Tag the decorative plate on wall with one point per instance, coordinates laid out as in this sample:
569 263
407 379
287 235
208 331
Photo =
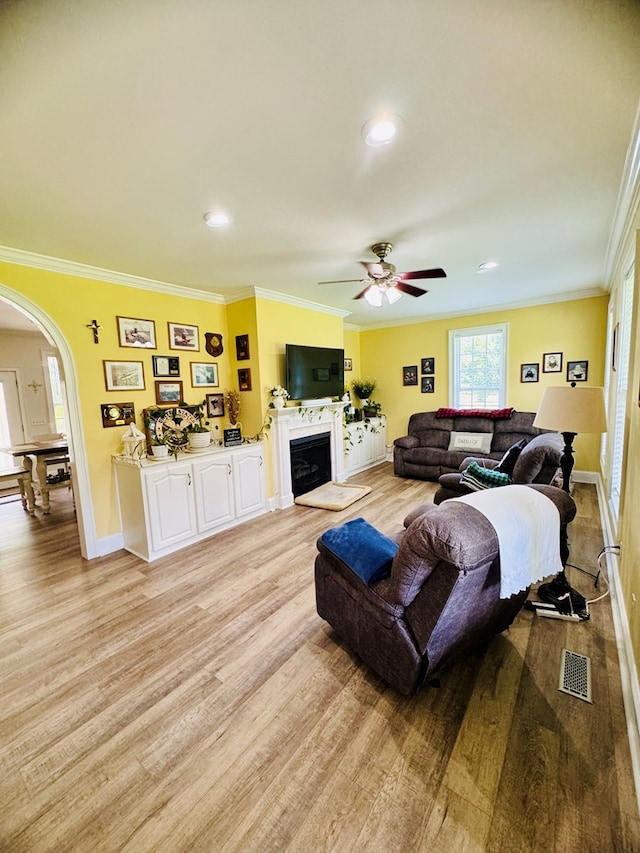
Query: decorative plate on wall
169 425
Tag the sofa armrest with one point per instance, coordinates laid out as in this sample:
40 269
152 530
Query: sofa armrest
483 461
407 442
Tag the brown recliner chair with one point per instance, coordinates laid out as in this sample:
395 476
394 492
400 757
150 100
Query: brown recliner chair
412 608
537 462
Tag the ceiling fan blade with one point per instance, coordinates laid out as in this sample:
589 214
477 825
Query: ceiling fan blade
434 273
410 289
342 281
375 270
362 292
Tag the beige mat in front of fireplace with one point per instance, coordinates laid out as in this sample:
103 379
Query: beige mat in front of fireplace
334 496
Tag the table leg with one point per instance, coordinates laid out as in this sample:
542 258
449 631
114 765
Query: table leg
41 469
28 486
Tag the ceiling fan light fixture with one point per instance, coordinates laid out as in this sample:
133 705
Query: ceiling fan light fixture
381 130
393 294
217 219
374 296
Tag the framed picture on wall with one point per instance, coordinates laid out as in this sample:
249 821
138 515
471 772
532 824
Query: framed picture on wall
123 375
577 371
529 372
428 384
242 347
136 333
552 362
204 373
244 378
348 364
428 365
168 393
410 375
182 336
165 365
215 405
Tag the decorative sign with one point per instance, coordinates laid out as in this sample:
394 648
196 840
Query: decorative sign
117 414
232 436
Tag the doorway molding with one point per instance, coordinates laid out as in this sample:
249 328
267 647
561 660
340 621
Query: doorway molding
77 446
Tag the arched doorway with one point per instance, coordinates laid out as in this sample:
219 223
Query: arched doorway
82 493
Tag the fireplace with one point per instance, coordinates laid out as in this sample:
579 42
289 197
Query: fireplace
310 462
294 422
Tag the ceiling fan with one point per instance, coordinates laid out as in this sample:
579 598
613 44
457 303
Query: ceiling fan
383 282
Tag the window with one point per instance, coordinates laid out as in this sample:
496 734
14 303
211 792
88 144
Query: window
56 392
617 421
478 359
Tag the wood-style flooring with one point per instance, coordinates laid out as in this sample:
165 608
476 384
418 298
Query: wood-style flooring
199 703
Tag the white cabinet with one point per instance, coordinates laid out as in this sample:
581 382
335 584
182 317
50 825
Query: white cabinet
365 444
248 483
168 505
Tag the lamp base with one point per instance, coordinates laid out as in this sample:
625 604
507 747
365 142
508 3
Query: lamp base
563 597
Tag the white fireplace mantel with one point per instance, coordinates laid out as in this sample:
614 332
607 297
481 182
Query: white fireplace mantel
299 422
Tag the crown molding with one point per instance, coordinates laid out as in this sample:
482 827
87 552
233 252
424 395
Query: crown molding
489 309
59 265
626 206
286 299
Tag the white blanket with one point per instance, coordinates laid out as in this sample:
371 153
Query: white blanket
528 527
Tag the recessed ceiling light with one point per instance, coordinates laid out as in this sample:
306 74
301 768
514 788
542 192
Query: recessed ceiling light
381 130
487 266
217 219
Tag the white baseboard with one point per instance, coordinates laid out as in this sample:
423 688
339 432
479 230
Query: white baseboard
109 544
628 670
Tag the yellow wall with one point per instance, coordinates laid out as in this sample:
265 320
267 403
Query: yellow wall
280 324
576 328
352 351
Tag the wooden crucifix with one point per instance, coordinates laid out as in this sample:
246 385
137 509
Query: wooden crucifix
94 325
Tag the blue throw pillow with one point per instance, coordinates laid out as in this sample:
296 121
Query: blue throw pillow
366 551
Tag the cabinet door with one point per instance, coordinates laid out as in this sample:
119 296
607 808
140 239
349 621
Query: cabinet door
248 482
171 508
213 485
353 453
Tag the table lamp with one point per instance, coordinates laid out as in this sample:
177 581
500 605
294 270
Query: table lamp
569 410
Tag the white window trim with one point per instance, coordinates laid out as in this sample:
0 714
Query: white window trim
502 328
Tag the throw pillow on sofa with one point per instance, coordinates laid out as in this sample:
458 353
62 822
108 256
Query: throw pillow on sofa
475 477
477 442
508 461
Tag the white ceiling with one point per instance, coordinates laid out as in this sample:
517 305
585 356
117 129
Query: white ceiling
123 122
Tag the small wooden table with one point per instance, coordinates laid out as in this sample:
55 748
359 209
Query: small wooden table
34 459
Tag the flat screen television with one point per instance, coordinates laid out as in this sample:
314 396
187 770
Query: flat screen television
313 372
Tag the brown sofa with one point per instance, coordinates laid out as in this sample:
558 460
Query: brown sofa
423 453
411 609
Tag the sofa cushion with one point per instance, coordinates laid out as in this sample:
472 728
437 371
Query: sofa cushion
476 477
478 442
508 461
366 551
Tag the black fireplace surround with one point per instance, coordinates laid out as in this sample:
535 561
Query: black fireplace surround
310 462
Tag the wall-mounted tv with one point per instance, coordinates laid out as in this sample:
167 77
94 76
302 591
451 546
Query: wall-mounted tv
313 372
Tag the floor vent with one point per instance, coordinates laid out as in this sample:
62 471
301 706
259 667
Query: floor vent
575 675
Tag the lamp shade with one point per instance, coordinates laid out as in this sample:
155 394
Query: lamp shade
566 408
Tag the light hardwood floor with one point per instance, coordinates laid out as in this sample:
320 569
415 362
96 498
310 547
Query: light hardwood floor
200 704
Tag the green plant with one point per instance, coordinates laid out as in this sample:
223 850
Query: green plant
364 387
372 406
